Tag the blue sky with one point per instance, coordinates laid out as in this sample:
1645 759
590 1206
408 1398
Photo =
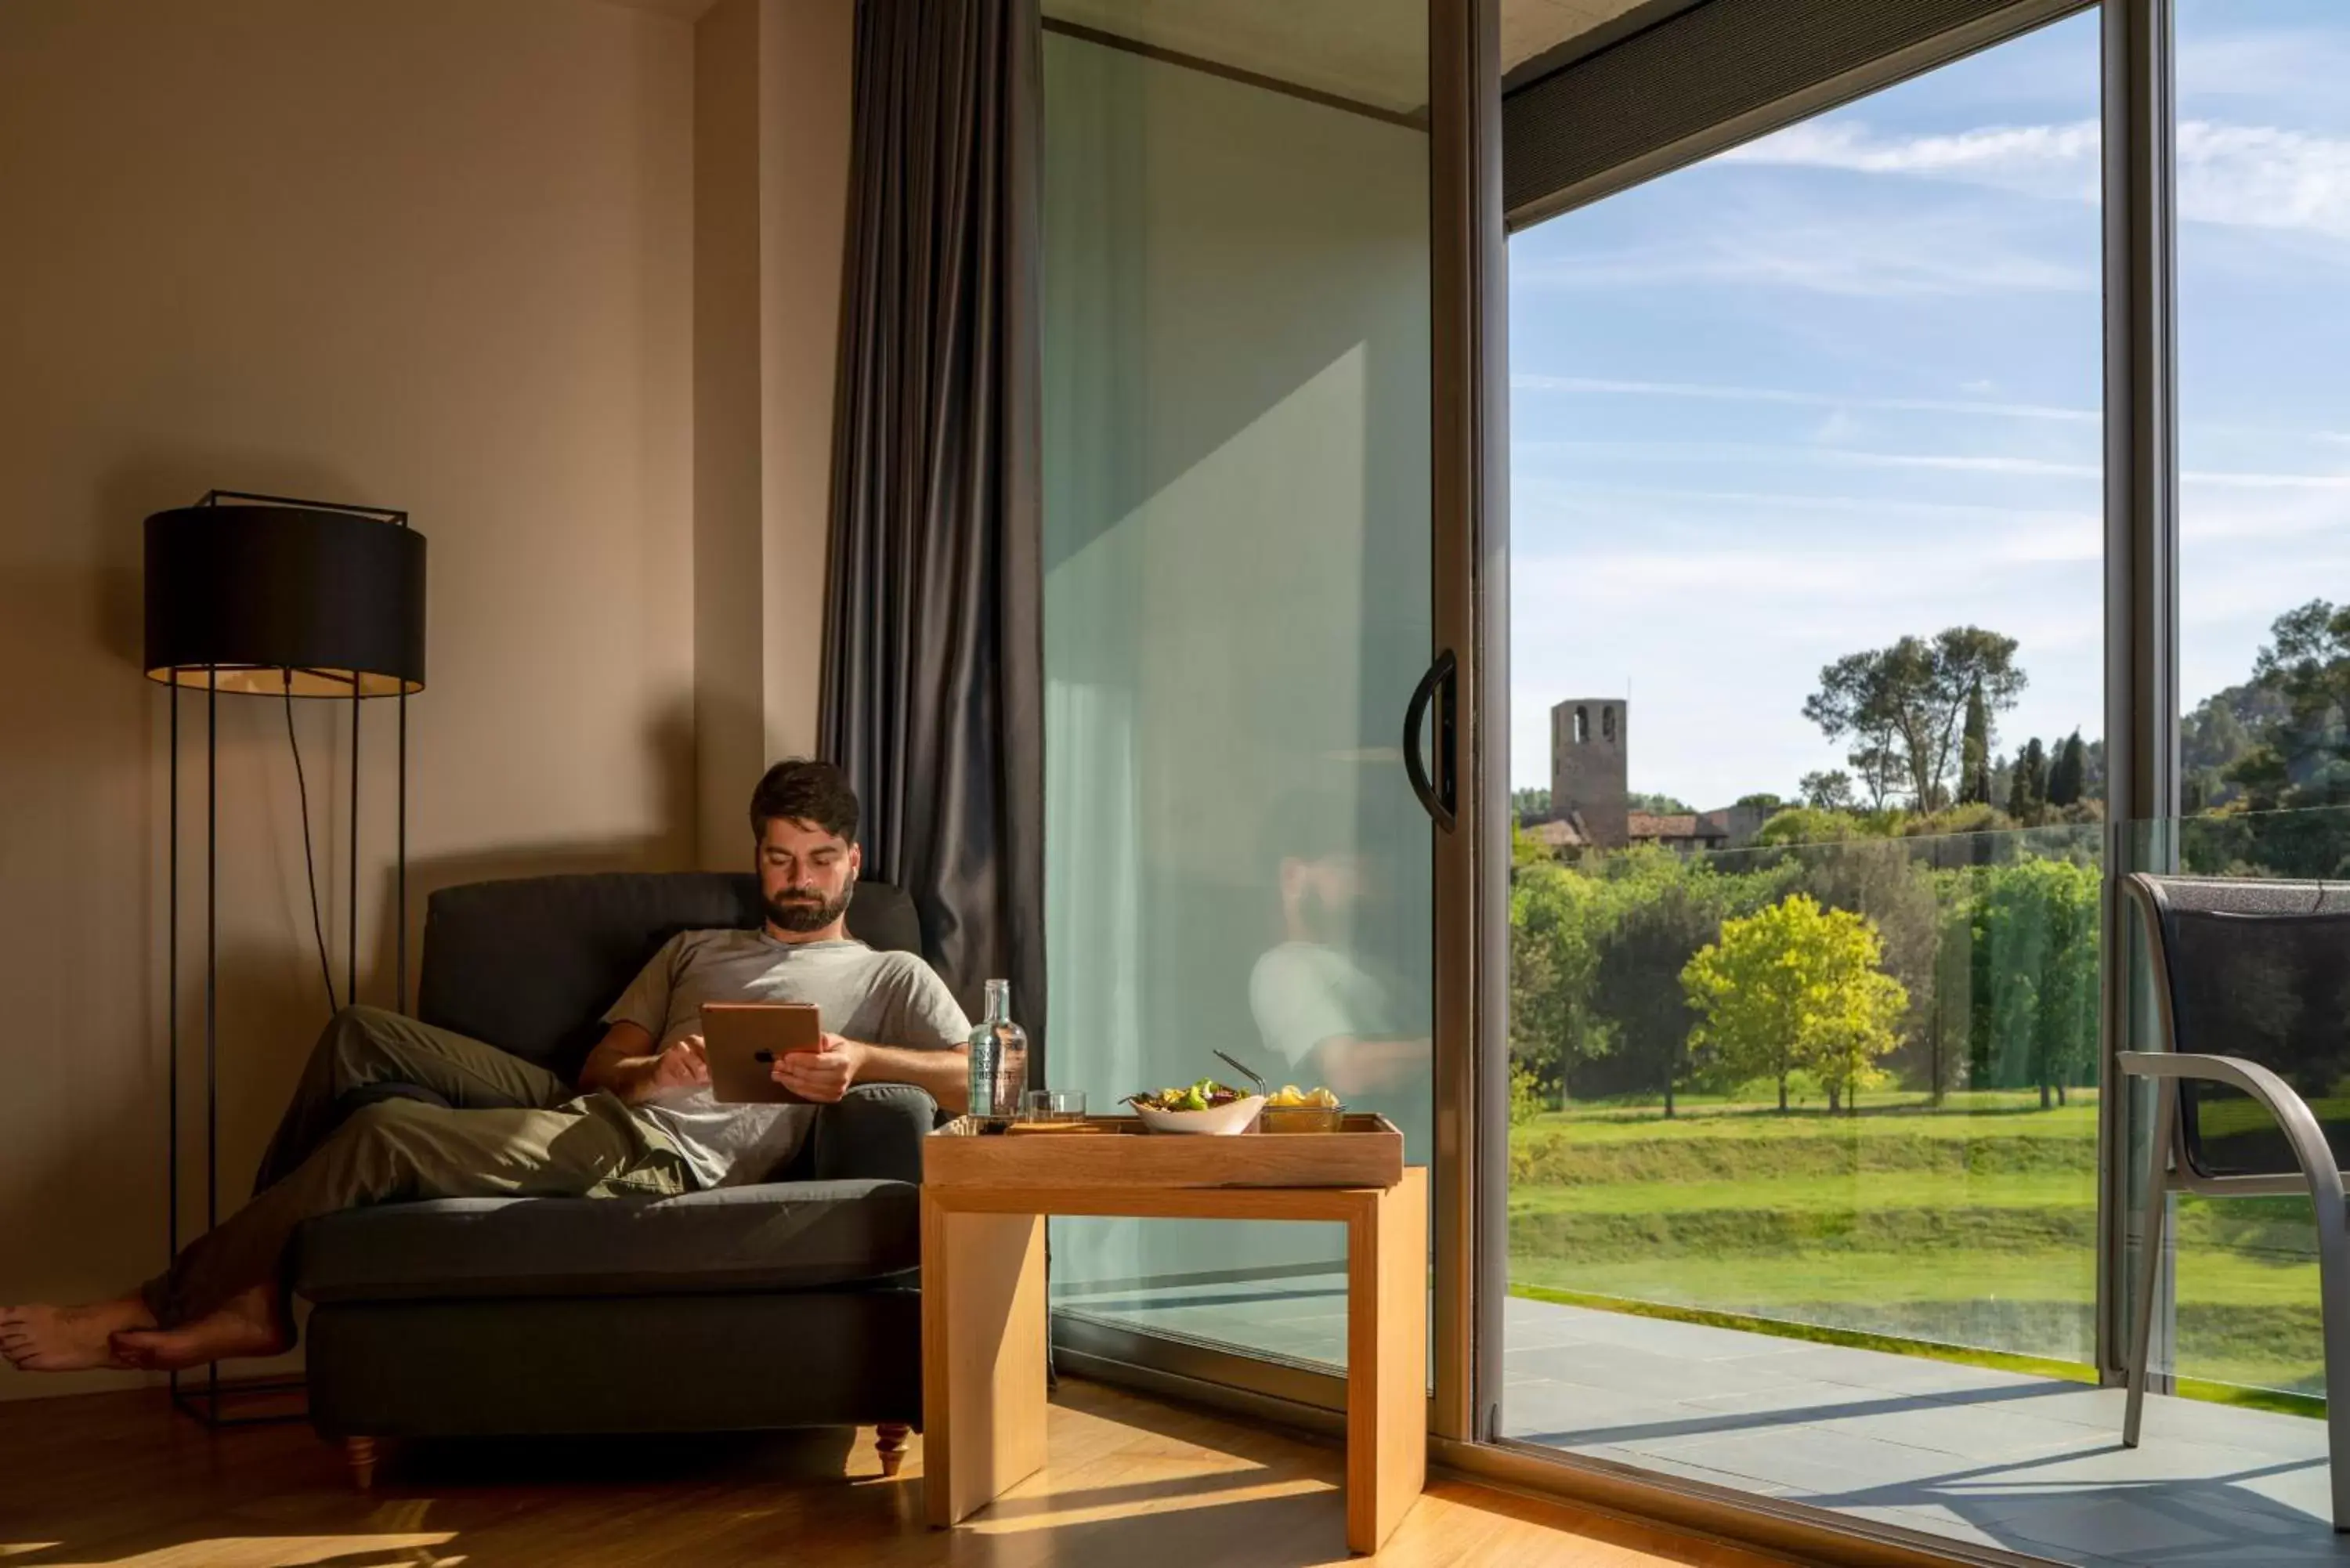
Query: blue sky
1843 383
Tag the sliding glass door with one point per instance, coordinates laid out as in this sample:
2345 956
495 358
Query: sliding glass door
1237 611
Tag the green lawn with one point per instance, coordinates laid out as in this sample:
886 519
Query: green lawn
1900 1189
1969 1226
1959 1116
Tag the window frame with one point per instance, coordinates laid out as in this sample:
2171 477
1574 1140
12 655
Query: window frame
2139 309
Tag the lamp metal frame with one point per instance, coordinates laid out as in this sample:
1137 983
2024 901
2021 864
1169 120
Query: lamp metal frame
204 1403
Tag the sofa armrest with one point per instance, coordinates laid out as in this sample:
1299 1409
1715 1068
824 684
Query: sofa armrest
874 1132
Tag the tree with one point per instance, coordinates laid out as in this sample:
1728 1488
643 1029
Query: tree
1881 770
2027 789
1830 791
1902 707
1529 804
1653 937
1762 801
2219 732
1974 753
2302 757
1659 804
1808 825
2036 926
2068 772
1555 916
1795 986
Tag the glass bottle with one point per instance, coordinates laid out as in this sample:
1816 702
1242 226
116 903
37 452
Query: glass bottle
999 1057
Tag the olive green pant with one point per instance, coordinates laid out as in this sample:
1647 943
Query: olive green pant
511 1129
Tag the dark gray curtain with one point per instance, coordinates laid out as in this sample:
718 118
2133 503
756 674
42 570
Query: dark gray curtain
934 682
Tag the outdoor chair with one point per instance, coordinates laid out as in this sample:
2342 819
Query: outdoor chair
2259 970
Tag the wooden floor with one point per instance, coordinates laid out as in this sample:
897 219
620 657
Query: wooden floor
118 1479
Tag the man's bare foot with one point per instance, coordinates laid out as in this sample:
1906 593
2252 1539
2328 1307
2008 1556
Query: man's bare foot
248 1324
69 1339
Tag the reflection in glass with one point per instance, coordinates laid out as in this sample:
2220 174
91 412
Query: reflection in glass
1236 609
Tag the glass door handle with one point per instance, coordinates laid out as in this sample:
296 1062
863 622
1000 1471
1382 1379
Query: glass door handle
1437 686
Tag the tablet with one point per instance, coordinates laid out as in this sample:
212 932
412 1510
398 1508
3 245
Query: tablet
744 1039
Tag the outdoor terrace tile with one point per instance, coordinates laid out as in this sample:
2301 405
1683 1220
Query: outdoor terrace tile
1817 1459
2030 1465
2109 1465
2146 1527
1660 1374
1663 1465
1985 1432
1930 1519
1553 1412
2302 1490
1903 1373
2187 1420
1531 1336
1685 1341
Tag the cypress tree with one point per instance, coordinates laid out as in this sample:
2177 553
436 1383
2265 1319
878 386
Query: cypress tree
2064 777
1974 751
2029 789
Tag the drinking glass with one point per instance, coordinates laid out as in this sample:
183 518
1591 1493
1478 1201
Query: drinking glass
1055 1105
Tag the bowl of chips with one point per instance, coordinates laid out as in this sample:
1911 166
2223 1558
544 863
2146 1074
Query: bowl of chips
1295 1110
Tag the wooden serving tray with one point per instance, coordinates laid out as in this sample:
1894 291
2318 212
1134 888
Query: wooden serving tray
1118 1151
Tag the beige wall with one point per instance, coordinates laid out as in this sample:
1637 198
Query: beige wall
771 197
429 254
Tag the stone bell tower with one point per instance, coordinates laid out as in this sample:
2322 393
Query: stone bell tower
1587 767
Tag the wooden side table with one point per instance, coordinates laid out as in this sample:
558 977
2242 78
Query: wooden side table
984 1201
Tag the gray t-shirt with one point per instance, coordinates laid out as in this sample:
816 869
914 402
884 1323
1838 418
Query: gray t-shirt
878 998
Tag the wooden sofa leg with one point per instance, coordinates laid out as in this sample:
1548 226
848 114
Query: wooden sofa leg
360 1453
890 1441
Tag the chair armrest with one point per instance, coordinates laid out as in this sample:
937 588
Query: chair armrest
2293 1117
875 1131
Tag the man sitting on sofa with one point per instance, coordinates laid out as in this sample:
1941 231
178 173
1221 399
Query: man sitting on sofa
640 1120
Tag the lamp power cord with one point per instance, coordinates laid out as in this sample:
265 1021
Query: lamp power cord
309 864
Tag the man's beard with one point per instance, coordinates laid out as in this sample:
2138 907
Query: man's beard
806 909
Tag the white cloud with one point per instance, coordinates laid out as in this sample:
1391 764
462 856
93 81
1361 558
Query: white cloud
2260 176
2053 160
1743 451
2005 463
1847 253
2266 481
1600 504
1838 428
1535 383
2269 65
2251 176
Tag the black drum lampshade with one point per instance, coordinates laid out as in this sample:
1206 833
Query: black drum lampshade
277 598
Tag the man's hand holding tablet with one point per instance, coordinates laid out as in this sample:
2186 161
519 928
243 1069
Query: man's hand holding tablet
821 1076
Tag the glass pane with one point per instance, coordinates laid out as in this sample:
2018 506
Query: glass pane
1236 607
2239 1320
2265 565
1806 689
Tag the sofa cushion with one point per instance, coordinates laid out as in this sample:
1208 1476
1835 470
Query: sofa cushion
530 963
783 1236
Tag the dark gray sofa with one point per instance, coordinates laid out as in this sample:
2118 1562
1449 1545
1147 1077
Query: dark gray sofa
792 1303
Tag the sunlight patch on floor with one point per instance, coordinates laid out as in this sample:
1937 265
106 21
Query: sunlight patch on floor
292 1550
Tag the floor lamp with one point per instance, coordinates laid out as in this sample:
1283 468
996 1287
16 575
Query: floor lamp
271 597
